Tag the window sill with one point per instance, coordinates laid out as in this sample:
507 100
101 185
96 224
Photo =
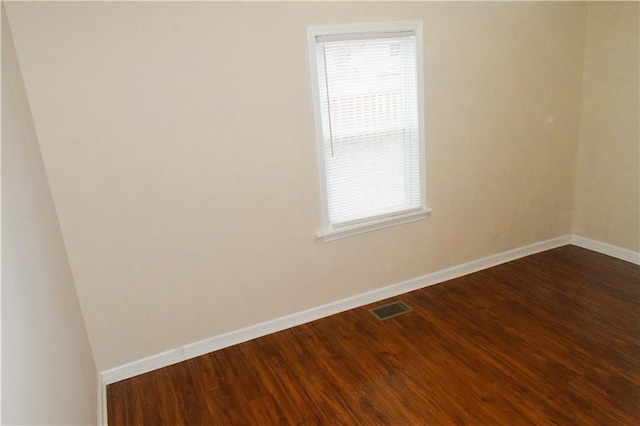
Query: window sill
360 228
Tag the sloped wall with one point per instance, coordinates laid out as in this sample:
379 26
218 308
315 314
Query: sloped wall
48 373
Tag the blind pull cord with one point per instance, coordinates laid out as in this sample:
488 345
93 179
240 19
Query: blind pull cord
326 88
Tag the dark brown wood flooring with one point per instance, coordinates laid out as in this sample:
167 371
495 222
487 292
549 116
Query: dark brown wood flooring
552 338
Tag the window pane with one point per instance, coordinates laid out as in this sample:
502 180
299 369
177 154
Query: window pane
372 176
370 126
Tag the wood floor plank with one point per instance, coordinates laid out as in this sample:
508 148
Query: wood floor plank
552 338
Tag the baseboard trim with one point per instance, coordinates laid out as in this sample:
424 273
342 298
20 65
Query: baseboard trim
608 249
102 402
214 343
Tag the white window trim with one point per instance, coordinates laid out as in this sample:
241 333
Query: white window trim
328 232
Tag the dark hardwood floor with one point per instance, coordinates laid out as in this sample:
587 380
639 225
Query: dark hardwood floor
553 338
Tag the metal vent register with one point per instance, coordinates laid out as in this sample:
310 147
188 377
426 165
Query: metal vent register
390 310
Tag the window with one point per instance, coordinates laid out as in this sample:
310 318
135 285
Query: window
367 87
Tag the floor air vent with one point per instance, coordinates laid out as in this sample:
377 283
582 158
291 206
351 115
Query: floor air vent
390 310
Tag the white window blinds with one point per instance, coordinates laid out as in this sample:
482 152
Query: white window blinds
367 89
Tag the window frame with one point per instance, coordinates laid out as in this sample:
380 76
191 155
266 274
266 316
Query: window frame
328 231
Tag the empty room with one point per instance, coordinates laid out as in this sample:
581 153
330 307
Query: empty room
349 213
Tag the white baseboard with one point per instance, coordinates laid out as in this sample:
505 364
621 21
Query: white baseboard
102 402
214 343
608 249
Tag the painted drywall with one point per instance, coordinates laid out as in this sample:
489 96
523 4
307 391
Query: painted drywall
607 194
179 142
48 373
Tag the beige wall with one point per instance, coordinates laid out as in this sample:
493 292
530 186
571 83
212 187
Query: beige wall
607 194
178 139
48 373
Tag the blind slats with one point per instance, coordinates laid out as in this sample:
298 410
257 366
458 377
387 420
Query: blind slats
369 109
